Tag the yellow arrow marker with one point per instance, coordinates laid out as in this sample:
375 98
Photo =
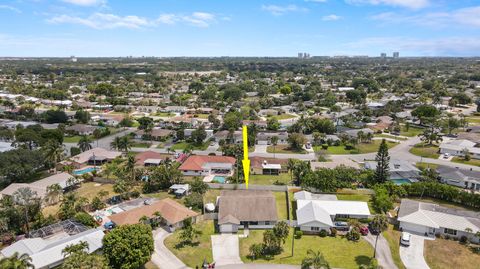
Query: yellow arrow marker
246 161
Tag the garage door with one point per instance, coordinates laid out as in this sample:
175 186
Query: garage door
413 228
228 228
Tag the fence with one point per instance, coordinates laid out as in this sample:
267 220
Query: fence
250 187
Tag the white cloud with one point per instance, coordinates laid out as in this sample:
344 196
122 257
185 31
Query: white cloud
281 10
413 4
465 16
451 46
102 21
14 9
331 17
86 3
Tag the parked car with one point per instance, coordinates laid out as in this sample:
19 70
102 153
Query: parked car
372 229
341 225
364 230
405 239
446 155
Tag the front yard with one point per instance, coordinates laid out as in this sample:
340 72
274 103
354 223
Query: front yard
359 149
282 116
284 149
446 254
425 151
193 256
184 145
462 160
357 197
338 251
412 131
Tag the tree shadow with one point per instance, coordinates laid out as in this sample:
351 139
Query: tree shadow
186 244
362 259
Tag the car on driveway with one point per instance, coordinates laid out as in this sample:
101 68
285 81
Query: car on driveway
372 229
341 226
364 230
446 155
405 239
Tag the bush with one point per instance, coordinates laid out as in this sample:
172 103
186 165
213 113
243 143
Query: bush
325 146
463 239
194 200
333 232
349 146
74 151
97 204
298 234
353 234
135 194
85 219
323 233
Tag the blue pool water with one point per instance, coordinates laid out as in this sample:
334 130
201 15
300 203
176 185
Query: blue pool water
400 181
83 171
219 179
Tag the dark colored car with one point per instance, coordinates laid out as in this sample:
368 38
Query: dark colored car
372 229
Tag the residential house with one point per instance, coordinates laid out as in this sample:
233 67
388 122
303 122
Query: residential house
188 133
180 189
95 156
236 137
198 165
463 178
319 212
172 213
48 252
265 138
40 186
431 219
252 209
267 166
354 132
156 134
151 158
81 129
400 171
458 147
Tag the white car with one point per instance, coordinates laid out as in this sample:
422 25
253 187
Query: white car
405 239
446 155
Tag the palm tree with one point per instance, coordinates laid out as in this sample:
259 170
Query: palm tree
53 151
290 166
274 141
315 260
17 261
188 149
25 197
143 219
84 143
379 224
97 133
54 192
116 143
125 143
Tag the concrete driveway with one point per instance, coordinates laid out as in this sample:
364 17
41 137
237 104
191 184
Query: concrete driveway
162 257
383 253
225 249
412 256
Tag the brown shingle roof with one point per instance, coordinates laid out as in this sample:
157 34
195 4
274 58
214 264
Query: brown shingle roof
170 210
141 157
196 162
246 205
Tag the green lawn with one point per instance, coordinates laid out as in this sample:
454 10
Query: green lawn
412 131
284 149
424 165
390 136
193 256
393 238
201 116
360 148
74 139
164 114
211 196
462 160
425 151
141 145
270 180
475 120
281 200
183 145
339 252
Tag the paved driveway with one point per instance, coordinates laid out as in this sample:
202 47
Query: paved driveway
225 249
412 256
162 257
383 253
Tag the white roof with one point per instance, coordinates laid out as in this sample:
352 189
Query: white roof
339 207
313 212
98 152
46 252
5 146
271 166
153 161
460 145
439 219
305 195
39 186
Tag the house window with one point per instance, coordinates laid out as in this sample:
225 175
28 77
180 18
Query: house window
343 216
316 229
267 222
450 231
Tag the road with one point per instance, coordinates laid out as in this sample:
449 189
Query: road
103 142
383 253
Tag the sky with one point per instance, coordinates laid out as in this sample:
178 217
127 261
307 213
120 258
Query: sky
163 28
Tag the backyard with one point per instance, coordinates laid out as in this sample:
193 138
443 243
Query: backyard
284 149
359 149
357 197
338 251
425 151
283 178
281 199
194 255
445 254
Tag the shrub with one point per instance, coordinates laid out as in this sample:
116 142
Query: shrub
135 194
349 146
85 219
333 232
298 234
353 234
256 251
463 239
97 204
325 146
74 151
323 233
194 200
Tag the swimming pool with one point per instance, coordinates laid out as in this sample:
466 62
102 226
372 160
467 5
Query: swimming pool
219 179
84 171
401 181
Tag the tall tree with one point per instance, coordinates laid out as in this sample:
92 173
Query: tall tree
17 261
383 162
380 224
315 260
84 143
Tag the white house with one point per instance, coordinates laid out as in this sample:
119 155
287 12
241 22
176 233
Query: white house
462 178
457 148
318 212
432 219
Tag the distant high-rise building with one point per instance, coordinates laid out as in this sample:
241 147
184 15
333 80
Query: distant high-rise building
383 55
303 55
300 55
396 54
